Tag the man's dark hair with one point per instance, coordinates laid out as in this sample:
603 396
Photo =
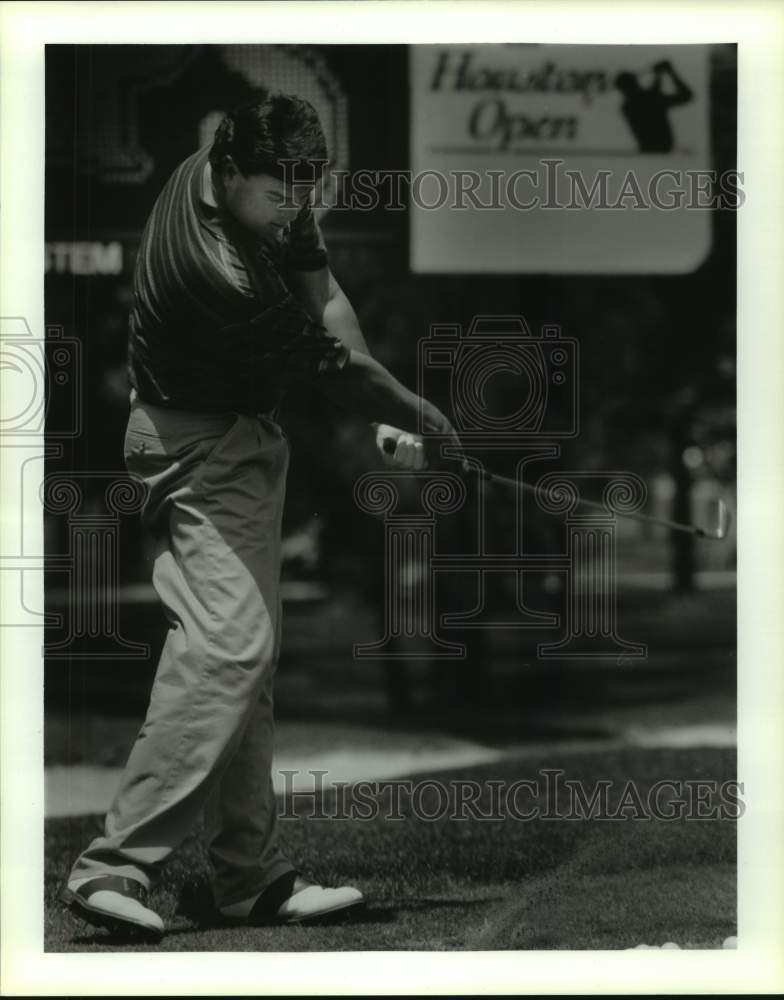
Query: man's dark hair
262 134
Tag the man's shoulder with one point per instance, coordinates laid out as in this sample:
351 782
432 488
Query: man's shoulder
197 159
186 178
189 191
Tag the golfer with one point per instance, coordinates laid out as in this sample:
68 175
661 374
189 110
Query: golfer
233 302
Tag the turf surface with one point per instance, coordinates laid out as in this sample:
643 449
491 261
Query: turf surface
473 883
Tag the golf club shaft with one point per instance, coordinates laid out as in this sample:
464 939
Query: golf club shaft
493 477
514 484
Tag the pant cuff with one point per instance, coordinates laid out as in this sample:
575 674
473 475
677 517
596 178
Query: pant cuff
251 889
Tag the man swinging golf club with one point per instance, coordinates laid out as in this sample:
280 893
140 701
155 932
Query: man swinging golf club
233 301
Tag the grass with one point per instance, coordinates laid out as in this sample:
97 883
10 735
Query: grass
469 884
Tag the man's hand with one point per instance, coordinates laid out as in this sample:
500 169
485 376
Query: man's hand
409 450
405 450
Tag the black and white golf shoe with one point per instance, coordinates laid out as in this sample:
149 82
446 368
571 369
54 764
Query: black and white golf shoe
117 904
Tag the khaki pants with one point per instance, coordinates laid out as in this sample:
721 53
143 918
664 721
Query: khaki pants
217 486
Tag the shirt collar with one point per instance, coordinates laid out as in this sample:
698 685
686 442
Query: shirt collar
207 194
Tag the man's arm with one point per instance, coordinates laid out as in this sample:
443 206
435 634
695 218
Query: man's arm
327 304
312 290
315 286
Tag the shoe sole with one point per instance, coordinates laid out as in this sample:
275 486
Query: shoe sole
130 929
307 918
354 904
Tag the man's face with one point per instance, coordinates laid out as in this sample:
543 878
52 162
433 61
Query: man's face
262 204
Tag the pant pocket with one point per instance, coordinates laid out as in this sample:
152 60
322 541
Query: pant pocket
171 434
172 463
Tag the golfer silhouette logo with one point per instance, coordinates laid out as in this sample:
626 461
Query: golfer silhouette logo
646 108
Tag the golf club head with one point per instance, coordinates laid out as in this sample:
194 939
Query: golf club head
721 521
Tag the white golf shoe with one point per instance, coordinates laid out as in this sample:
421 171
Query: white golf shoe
292 899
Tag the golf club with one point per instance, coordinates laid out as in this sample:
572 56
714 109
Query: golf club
716 531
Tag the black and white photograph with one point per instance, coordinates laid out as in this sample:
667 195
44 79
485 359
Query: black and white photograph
372 501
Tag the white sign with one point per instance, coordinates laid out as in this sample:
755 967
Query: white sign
561 159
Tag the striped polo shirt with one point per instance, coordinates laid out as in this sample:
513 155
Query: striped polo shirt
211 305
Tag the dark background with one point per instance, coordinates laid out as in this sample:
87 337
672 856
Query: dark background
657 378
